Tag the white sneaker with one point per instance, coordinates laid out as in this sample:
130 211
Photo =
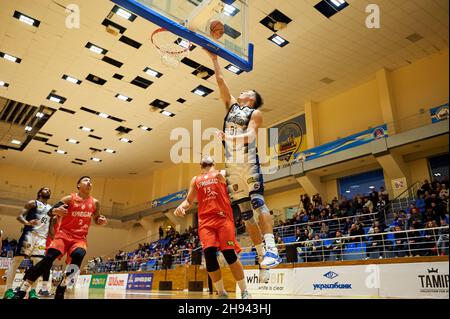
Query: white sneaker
246 295
270 260
223 296
264 275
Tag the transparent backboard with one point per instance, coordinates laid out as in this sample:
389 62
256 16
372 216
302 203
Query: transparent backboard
190 19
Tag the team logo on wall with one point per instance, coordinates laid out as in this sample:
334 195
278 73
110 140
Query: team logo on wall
442 113
433 281
290 139
378 133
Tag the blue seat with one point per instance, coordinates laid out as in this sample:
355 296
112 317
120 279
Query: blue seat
289 239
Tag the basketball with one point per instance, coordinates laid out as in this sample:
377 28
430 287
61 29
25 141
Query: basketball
217 29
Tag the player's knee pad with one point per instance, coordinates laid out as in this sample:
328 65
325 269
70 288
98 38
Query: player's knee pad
230 256
77 256
258 204
212 264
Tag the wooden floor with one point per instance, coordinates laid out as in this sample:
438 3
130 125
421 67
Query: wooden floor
127 294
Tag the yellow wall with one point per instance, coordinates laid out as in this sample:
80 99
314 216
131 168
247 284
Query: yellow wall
348 113
421 85
419 170
283 200
332 190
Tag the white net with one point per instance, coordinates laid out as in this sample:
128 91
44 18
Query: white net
172 48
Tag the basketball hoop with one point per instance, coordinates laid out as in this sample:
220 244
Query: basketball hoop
171 47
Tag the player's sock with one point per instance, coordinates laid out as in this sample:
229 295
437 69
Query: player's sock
270 243
260 251
242 284
220 287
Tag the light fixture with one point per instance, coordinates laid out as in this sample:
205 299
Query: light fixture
96 49
338 3
28 128
73 141
372 187
95 159
86 129
153 73
110 151
26 19
123 13
125 140
103 115
9 57
234 69
167 113
199 92
60 152
56 98
39 114
278 40
4 84
16 142
123 98
71 79
230 10
145 128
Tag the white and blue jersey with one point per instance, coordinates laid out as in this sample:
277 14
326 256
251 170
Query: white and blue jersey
33 239
243 172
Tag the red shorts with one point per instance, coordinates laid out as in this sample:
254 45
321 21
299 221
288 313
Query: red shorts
222 236
66 245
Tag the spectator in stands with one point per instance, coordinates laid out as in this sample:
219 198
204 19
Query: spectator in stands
308 248
317 249
356 230
443 193
306 201
384 194
324 229
373 195
280 245
375 244
368 205
430 239
317 200
442 243
381 205
400 247
338 245
414 242
161 232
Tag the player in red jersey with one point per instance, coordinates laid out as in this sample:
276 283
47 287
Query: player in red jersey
216 224
75 212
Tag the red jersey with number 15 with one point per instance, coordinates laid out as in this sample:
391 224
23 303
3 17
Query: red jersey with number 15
213 201
79 215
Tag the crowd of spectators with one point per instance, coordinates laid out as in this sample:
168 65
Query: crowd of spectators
347 221
8 246
171 243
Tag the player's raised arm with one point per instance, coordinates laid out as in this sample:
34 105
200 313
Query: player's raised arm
225 94
60 208
188 202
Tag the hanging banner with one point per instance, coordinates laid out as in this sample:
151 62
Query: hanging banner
344 143
170 198
439 113
288 138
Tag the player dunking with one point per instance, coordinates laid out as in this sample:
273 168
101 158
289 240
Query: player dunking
76 212
34 216
245 181
215 225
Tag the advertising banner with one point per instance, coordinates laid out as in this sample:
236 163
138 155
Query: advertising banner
281 282
415 280
140 281
83 281
170 198
98 281
117 281
439 113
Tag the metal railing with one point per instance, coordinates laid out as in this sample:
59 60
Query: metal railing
411 243
333 224
402 201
